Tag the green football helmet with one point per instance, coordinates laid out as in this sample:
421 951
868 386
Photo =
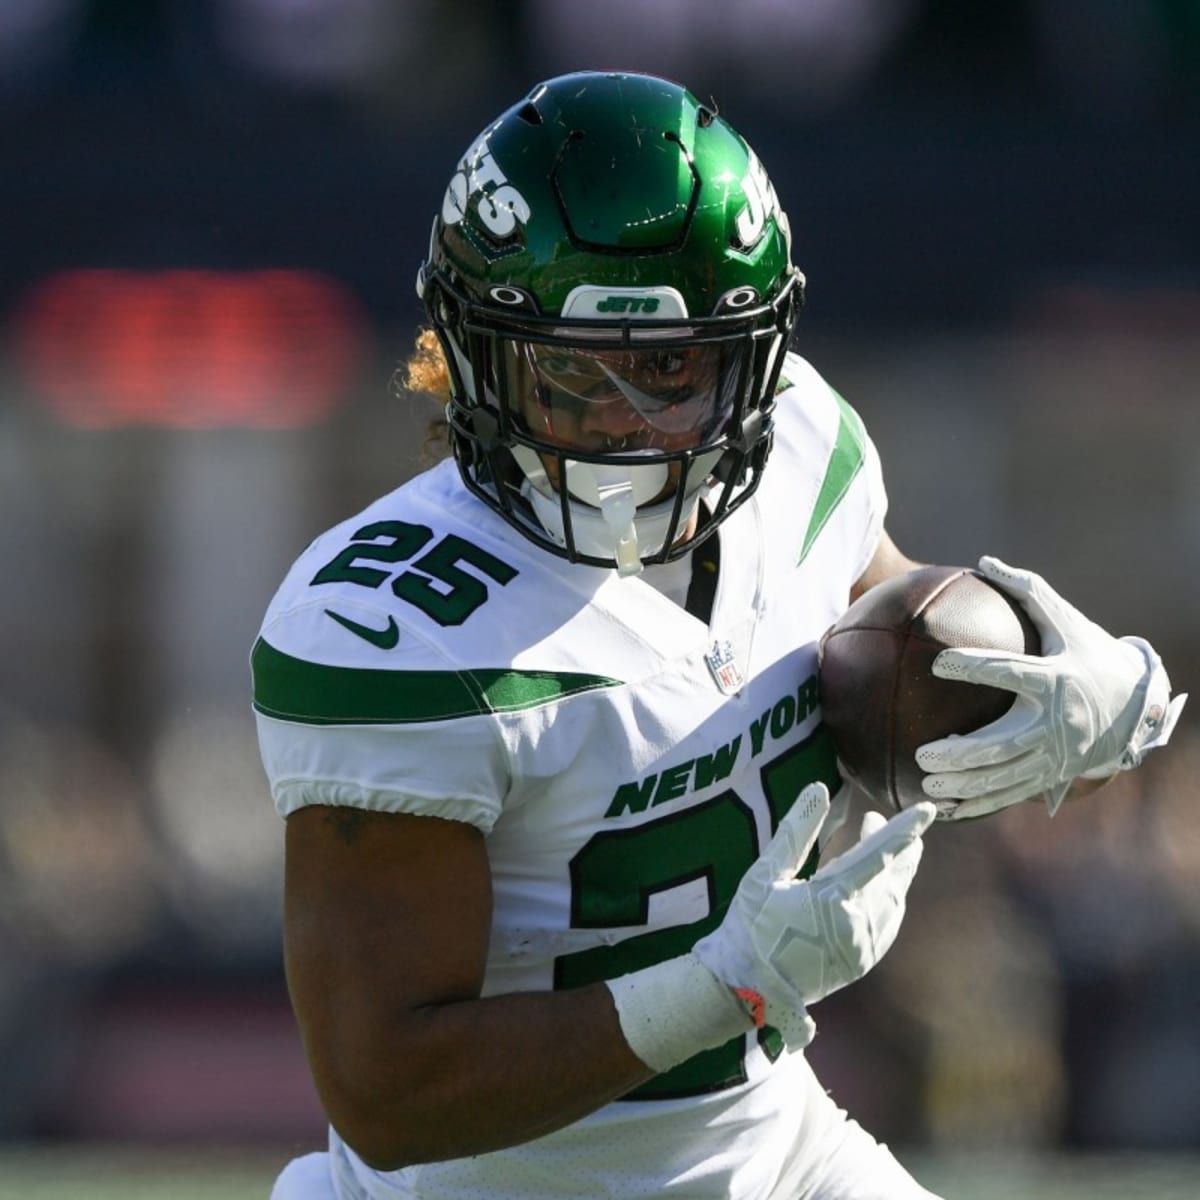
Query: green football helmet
610 278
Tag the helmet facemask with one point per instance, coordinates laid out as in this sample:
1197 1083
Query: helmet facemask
610 276
597 439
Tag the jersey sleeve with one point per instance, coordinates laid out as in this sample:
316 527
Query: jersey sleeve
837 470
342 722
873 493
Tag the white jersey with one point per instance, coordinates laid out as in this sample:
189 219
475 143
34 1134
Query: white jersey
626 762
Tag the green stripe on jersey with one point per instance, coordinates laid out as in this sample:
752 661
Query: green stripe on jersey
294 690
849 451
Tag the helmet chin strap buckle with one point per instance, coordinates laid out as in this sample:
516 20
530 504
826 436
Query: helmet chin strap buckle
618 507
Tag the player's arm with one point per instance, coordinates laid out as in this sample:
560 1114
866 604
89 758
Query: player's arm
386 925
887 561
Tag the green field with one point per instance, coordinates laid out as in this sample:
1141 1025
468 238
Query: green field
135 1174
997 1177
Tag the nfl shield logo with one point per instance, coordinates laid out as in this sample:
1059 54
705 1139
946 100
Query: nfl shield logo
723 666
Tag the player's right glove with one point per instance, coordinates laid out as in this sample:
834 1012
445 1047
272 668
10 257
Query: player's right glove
784 944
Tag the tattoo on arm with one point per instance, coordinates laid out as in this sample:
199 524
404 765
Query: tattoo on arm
347 823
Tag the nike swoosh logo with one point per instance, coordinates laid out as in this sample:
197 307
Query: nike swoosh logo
385 638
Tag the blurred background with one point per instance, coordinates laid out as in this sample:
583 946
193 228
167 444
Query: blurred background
211 215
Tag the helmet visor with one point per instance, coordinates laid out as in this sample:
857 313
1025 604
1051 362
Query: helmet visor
623 400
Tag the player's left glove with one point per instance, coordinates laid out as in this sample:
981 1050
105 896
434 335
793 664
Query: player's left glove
1091 705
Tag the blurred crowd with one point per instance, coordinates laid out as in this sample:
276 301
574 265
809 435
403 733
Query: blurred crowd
211 215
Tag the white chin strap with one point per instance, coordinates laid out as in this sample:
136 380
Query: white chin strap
606 518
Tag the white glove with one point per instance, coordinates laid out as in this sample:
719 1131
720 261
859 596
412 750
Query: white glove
786 943
1090 706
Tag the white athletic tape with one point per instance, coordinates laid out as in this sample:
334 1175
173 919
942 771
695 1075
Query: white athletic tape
675 1009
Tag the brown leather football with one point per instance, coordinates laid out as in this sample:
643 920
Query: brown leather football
879 697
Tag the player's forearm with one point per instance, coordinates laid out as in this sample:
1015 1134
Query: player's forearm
451 1080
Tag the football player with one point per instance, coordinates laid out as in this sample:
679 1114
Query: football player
544 724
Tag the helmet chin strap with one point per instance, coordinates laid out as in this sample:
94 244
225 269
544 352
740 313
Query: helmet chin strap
606 521
617 492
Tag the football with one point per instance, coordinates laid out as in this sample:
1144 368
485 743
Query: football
879 697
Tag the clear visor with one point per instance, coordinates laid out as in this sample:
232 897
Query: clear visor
625 400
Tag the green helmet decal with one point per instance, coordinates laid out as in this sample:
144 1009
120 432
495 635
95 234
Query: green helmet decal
610 245
479 187
643 183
